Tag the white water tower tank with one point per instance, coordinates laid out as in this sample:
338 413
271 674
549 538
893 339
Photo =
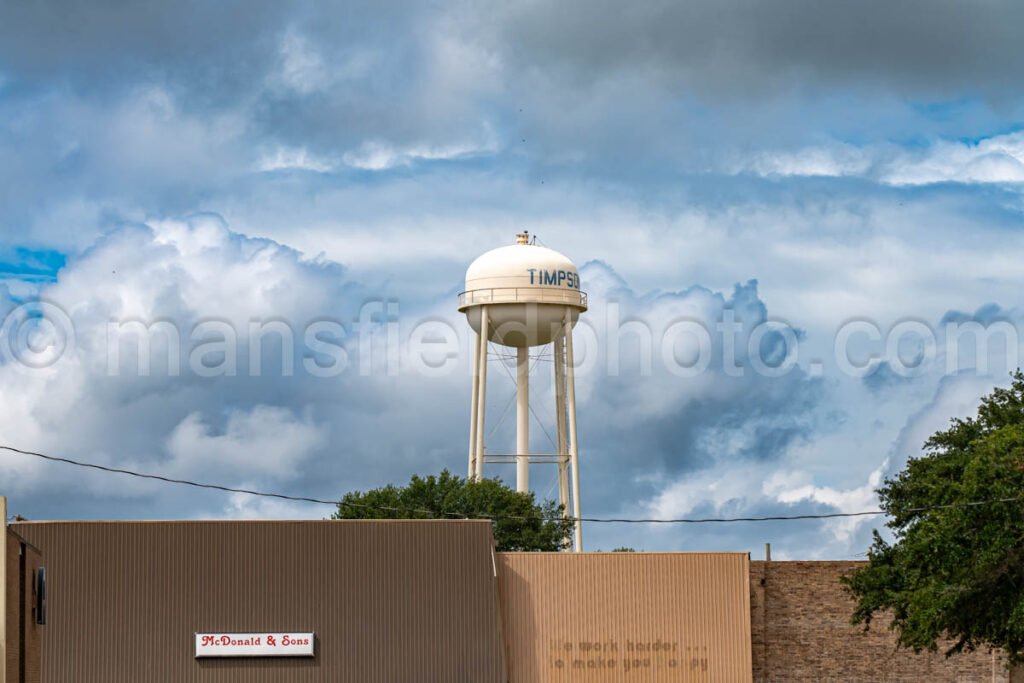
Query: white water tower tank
526 289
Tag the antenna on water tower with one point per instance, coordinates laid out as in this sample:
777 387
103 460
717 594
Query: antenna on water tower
522 296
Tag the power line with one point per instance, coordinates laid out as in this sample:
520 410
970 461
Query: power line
529 404
202 485
456 515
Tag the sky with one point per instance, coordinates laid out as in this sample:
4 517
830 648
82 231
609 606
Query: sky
799 227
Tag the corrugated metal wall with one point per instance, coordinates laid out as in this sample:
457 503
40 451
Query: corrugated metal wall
599 617
388 600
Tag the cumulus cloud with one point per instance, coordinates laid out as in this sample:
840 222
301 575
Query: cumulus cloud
685 382
669 425
158 284
838 158
974 351
275 428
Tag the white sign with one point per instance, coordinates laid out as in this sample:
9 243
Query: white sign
254 644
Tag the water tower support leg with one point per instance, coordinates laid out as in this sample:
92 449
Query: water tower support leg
482 392
473 409
563 450
574 454
523 419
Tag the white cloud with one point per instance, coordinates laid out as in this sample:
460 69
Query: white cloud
600 152
244 506
285 158
721 491
834 160
148 135
769 489
301 66
378 155
704 446
177 273
305 67
262 441
998 159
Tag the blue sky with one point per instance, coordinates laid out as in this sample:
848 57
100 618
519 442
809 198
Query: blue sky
812 166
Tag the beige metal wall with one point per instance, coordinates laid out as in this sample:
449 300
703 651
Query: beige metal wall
598 617
388 600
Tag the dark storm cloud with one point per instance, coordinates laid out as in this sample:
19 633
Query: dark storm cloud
214 57
720 44
107 43
740 46
91 93
619 63
219 46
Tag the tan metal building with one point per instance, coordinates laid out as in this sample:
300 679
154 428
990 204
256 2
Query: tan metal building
423 602
603 617
391 601
386 600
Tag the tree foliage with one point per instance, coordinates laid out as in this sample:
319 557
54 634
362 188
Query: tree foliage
956 566
519 522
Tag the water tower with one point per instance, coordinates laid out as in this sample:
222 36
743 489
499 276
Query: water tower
524 296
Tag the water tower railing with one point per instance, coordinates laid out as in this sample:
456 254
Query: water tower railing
514 295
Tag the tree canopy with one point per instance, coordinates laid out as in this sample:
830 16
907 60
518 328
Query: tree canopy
519 522
955 567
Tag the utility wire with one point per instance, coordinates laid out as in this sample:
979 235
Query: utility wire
496 356
530 404
456 515
201 485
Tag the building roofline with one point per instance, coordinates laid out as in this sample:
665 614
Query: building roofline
249 521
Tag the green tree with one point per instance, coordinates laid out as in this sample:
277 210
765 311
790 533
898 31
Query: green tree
956 566
519 522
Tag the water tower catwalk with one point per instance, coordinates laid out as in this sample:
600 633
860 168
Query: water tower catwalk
525 296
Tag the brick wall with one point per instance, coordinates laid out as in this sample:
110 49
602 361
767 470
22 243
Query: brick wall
801 631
